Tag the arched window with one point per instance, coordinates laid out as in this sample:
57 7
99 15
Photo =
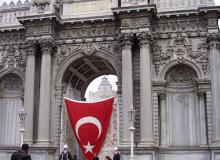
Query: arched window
11 92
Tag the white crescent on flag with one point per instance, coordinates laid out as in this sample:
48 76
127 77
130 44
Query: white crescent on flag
85 120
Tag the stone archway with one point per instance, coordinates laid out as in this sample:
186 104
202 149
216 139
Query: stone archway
77 73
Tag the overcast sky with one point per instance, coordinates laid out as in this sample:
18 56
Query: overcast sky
217 2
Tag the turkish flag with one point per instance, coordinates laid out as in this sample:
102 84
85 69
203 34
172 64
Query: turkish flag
89 123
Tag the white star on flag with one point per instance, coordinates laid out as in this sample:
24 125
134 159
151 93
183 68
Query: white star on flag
88 148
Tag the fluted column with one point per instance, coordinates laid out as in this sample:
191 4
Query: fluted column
45 94
214 50
146 127
127 84
29 92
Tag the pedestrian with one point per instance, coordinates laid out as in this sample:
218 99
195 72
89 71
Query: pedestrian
22 154
95 157
65 155
107 158
116 154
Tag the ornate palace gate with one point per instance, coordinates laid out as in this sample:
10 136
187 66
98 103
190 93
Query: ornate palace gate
165 54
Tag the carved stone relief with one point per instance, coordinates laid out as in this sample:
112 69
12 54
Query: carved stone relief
38 30
89 30
180 49
12 57
88 49
135 22
180 24
181 74
12 38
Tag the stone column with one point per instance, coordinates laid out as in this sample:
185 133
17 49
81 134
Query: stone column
146 127
45 94
58 123
163 113
127 84
214 51
29 92
202 119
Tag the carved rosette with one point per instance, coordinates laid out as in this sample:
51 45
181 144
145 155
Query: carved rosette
180 49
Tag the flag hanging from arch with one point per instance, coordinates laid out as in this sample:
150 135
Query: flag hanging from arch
90 121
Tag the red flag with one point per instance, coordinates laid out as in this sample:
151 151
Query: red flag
89 123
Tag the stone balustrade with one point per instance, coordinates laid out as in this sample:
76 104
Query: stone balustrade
10 12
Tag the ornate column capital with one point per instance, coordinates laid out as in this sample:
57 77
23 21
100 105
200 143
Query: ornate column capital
30 48
144 38
126 40
47 46
214 40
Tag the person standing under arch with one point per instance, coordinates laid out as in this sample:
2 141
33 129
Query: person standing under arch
65 155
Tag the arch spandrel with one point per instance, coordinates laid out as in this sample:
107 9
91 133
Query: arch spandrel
67 61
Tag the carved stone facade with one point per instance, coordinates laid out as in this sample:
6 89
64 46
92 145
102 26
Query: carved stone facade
165 54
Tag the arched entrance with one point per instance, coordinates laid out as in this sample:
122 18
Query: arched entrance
79 73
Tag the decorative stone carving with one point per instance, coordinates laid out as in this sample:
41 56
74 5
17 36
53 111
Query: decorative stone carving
212 22
12 57
180 49
180 74
41 5
135 22
94 30
89 48
159 57
12 38
214 40
126 39
179 24
40 2
144 38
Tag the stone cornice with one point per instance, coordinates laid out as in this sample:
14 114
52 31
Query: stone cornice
40 17
135 9
190 12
